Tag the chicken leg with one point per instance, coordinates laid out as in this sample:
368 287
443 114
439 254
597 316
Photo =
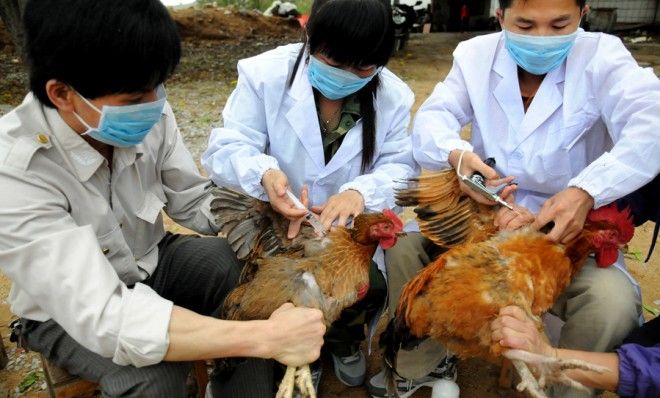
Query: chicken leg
300 377
549 370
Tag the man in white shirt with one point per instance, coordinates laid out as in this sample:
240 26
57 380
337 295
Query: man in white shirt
574 119
87 163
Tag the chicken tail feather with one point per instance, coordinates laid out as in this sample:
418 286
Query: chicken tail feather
390 343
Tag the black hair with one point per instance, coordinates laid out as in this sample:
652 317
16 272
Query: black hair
353 33
99 47
507 3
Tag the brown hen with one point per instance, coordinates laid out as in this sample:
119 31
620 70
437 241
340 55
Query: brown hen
456 297
330 273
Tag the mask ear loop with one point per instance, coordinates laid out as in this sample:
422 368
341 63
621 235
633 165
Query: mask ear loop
84 123
80 119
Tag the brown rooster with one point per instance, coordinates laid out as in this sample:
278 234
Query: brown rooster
330 273
456 297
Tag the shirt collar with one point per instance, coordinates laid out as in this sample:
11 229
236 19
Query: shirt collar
352 106
81 156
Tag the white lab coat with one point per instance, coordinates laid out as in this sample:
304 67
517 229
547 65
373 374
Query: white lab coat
268 125
594 123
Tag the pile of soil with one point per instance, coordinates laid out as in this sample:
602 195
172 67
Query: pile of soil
232 24
213 40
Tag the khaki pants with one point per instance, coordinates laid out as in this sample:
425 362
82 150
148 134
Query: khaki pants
600 307
411 253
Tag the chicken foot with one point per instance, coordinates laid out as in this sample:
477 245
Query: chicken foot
304 382
300 377
286 385
550 370
527 380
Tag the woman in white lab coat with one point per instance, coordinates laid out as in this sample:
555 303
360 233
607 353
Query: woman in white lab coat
326 120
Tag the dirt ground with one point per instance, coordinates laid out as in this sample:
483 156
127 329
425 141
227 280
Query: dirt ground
213 40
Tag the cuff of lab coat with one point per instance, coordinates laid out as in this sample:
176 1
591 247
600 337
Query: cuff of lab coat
590 180
143 339
368 193
457 144
436 158
252 185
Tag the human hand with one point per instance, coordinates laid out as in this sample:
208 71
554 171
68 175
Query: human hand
297 334
295 224
515 330
472 163
511 220
567 209
340 207
276 183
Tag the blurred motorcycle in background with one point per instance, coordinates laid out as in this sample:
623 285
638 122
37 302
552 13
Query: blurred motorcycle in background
408 16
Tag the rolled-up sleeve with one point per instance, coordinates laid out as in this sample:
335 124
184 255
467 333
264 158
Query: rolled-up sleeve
639 371
394 163
236 154
58 268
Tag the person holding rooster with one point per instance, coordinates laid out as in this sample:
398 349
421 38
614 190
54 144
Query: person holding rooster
575 120
326 120
89 163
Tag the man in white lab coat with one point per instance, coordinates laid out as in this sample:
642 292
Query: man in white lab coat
574 119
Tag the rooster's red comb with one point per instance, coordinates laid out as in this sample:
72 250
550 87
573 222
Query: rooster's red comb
621 218
398 224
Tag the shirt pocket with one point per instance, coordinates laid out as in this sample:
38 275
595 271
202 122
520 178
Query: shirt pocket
151 207
558 158
149 227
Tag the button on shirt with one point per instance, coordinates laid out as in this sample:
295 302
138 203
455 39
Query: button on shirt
75 234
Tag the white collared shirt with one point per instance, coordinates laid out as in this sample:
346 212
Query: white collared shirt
75 234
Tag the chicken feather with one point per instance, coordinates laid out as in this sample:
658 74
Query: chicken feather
456 297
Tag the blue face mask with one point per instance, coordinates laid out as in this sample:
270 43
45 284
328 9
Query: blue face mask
334 83
538 55
127 125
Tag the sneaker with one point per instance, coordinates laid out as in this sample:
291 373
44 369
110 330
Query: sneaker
316 369
446 369
351 370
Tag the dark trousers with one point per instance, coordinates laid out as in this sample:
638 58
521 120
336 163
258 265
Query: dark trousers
193 272
343 337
